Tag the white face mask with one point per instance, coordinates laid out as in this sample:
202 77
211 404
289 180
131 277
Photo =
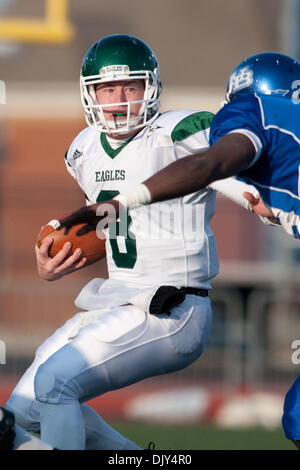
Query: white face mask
149 110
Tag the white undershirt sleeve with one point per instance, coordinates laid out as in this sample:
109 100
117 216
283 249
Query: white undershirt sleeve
233 189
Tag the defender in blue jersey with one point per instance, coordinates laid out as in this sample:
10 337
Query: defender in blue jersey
273 126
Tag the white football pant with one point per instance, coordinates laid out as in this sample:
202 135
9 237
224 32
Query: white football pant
117 348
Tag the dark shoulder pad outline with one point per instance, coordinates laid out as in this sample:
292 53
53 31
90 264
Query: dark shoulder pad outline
66 155
192 124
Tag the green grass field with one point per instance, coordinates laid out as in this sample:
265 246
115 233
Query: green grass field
203 437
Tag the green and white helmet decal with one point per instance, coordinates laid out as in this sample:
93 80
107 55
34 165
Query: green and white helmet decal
113 58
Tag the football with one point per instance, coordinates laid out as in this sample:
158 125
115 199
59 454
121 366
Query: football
92 246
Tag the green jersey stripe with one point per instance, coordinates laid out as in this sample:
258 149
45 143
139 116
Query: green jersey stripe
191 125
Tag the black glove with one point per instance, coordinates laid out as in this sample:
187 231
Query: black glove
84 215
7 429
165 298
88 215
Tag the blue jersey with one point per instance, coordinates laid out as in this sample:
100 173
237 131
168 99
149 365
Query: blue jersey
273 124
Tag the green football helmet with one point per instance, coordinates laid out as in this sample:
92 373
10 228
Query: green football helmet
113 58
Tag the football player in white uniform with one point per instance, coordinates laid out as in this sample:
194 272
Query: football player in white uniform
153 315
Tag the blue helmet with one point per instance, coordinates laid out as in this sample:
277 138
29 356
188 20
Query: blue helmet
268 73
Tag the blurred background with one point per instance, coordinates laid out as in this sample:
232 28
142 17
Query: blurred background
240 381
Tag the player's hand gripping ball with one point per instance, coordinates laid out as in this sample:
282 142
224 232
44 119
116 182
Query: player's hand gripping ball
91 245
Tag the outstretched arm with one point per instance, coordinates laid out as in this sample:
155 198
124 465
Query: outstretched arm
228 156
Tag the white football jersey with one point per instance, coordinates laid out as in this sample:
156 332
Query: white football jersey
168 243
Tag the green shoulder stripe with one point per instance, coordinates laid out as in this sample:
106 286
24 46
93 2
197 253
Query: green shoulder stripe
191 124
